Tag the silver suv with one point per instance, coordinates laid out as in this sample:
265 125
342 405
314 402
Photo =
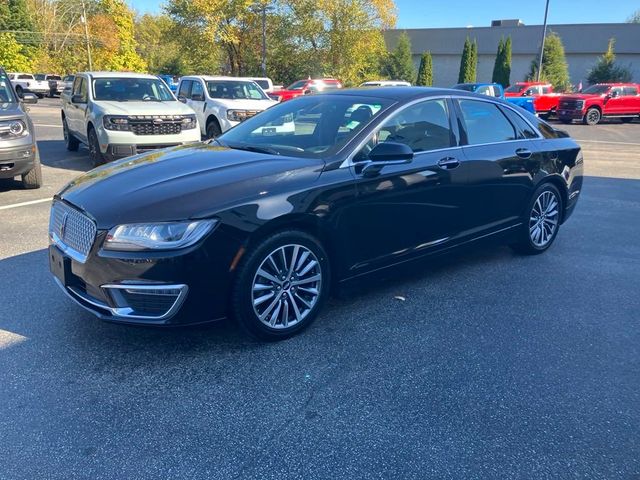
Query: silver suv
18 150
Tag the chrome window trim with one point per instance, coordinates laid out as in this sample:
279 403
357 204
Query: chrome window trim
348 162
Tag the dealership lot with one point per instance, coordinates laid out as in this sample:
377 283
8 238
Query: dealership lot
490 365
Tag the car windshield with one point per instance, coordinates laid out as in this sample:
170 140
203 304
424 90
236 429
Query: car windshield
515 88
54 77
314 126
69 78
297 85
235 90
131 90
597 89
465 86
40 76
6 93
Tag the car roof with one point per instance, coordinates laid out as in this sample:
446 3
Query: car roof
215 77
400 93
118 75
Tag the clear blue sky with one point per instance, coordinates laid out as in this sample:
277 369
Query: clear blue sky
479 13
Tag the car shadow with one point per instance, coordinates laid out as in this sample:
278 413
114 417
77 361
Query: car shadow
53 153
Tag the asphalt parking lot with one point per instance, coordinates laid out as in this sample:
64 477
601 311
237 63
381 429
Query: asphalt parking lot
493 365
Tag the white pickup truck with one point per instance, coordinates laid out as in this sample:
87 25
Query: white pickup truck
25 82
121 114
222 102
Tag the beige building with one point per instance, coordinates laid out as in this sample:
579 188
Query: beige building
583 45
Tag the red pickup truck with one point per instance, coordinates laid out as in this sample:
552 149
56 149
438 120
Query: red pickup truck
545 101
304 87
617 100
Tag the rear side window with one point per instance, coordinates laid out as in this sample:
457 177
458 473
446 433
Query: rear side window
485 123
185 89
524 129
630 91
25 77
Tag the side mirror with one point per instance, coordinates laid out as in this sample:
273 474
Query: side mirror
614 94
308 91
387 154
77 99
197 97
182 99
30 98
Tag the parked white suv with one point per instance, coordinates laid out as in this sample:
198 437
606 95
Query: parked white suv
121 114
25 82
222 102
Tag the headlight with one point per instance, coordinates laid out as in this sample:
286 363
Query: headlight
114 122
13 129
188 122
240 115
157 236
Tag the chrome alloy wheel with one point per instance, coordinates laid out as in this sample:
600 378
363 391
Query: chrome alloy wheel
286 286
544 219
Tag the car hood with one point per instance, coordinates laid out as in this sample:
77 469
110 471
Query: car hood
10 110
191 181
245 104
144 108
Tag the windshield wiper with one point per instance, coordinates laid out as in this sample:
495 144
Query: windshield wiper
253 148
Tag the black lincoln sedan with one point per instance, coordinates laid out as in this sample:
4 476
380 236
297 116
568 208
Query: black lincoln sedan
260 223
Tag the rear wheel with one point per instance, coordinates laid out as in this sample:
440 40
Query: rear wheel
281 285
592 117
70 141
96 156
33 178
213 129
541 226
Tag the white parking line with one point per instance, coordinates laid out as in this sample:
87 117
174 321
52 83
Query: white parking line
604 141
44 125
24 204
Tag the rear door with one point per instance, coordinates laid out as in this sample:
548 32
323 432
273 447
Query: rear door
501 159
631 100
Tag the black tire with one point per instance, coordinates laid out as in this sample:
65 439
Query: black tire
525 243
566 121
299 305
70 141
19 91
213 129
592 117
544 116
40 95
33 178
96 156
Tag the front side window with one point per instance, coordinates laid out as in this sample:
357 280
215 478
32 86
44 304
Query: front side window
131 90
197 91
80 88
310 126
485 123
515 88
616 91
235 90
424 126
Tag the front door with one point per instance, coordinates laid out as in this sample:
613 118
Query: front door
78 110
407 210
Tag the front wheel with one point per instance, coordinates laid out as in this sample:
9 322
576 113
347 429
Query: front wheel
96 156
33 178
592 117
281 285
541 226
213 130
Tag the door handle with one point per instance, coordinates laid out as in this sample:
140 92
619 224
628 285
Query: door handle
524 153
448 163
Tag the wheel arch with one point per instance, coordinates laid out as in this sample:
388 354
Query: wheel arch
212 117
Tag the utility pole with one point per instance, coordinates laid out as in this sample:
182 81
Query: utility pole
86 34
544 36
264 40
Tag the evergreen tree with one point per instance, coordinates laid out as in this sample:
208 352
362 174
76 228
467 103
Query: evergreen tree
605 70
554 64
502 66
473 63
399 63
425 72
468 62
464 60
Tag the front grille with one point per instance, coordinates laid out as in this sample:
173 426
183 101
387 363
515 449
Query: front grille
147 148
71 229
570 105
150 128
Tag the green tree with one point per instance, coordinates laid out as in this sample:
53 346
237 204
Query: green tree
468 62
425 72
554 64
634 17
124 57
502 66
399 63
606 70
11 56
15 15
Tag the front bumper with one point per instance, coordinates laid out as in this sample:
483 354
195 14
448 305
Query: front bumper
570 114
17 160
189 286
